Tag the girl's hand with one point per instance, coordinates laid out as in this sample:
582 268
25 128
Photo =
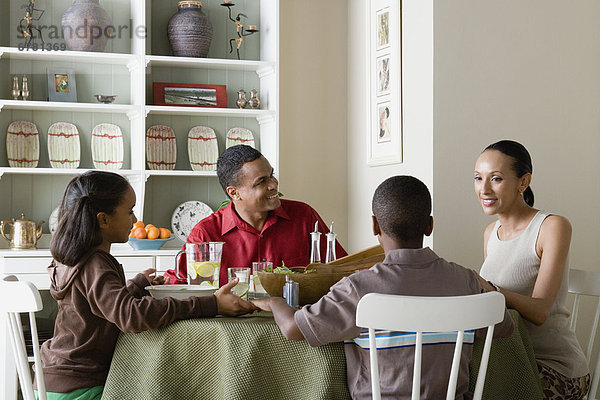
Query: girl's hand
485 284
153 280
229 304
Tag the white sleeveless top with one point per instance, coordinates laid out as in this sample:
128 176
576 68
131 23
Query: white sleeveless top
514 265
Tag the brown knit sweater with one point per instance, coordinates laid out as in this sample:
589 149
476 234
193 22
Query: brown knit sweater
95 305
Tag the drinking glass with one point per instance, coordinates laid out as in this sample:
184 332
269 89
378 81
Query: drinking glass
243 274
259 290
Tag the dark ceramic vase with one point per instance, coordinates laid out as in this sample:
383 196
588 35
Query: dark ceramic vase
85 25
190 31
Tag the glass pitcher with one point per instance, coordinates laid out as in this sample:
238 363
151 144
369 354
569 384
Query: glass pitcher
203 263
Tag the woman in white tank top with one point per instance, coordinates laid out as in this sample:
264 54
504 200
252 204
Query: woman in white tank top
526 256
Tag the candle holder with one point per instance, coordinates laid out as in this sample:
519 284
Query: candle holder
240 31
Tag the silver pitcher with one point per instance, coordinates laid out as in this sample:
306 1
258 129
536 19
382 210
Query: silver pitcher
24 233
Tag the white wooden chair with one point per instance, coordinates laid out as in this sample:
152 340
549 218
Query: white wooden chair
16 298
587 283
431 314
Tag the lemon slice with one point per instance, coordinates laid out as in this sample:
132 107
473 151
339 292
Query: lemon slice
240 289
206 269
191 270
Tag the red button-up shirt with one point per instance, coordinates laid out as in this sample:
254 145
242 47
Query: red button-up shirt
284 238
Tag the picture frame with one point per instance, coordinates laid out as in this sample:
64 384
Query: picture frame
62 85
189 95
384 74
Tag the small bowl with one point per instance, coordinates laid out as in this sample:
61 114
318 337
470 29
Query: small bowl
311 286
104 98
181 292
147 244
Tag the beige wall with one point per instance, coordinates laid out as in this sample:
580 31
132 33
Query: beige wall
417 84
528 71
313 92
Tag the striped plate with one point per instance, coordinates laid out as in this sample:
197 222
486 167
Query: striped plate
239 136
63 145
23 144
203 149
107 146
161 148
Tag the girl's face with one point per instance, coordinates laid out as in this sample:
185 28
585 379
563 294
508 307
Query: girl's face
120 222
496 183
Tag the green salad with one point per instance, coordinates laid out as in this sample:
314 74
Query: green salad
285 270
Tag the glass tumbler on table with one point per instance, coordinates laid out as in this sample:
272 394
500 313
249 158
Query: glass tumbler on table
243 285
259 290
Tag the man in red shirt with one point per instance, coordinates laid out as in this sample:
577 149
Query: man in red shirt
257 225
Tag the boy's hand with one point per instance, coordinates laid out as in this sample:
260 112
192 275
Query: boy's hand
153 280
229 304
263 304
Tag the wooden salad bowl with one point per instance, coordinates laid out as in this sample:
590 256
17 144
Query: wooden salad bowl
314 285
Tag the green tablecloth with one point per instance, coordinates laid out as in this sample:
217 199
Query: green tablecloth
224 358
248 358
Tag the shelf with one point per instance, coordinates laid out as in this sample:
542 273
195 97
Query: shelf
209 111
60 171
69 56
179 173
58 106
262 68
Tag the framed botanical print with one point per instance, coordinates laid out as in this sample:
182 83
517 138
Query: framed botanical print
384 130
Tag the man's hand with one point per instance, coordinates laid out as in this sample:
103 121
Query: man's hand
264 304
153 280
229 304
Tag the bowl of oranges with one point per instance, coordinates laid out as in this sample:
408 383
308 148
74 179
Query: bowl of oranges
148 237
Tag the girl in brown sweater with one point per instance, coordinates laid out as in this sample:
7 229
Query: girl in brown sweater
94 302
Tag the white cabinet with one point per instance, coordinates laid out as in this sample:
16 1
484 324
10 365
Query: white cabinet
127 68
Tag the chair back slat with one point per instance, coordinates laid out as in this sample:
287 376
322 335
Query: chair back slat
18 297
587 283
430 314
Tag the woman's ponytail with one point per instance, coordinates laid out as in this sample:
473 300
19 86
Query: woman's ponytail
528 196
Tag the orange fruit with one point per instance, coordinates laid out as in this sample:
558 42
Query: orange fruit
164 233
139 233
138 224
153 233
148 227
131 233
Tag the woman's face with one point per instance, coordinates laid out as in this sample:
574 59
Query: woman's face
496 183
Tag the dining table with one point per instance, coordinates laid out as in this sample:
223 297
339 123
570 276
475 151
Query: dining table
247 357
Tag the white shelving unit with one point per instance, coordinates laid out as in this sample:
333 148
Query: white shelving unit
129 67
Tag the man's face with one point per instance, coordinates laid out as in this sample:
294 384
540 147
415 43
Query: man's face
257 191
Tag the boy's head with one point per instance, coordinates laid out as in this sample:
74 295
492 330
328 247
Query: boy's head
402 207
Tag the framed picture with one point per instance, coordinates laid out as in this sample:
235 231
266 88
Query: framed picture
189 94
61 85
384 70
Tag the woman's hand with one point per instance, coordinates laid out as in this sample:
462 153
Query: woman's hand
229 304
153 280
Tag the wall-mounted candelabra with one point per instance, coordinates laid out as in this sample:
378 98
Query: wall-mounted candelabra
240 31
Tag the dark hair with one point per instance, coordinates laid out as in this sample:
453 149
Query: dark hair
78 230
231 161
402 207
521 162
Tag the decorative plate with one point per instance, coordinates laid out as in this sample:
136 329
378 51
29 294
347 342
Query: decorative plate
23 144
53 220
186 216
203 149
239 136
63 145
107 146
181 292
161 148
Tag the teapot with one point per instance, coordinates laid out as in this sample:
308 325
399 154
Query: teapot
24 233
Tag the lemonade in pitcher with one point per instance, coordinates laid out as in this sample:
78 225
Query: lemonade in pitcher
203 263
204 273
